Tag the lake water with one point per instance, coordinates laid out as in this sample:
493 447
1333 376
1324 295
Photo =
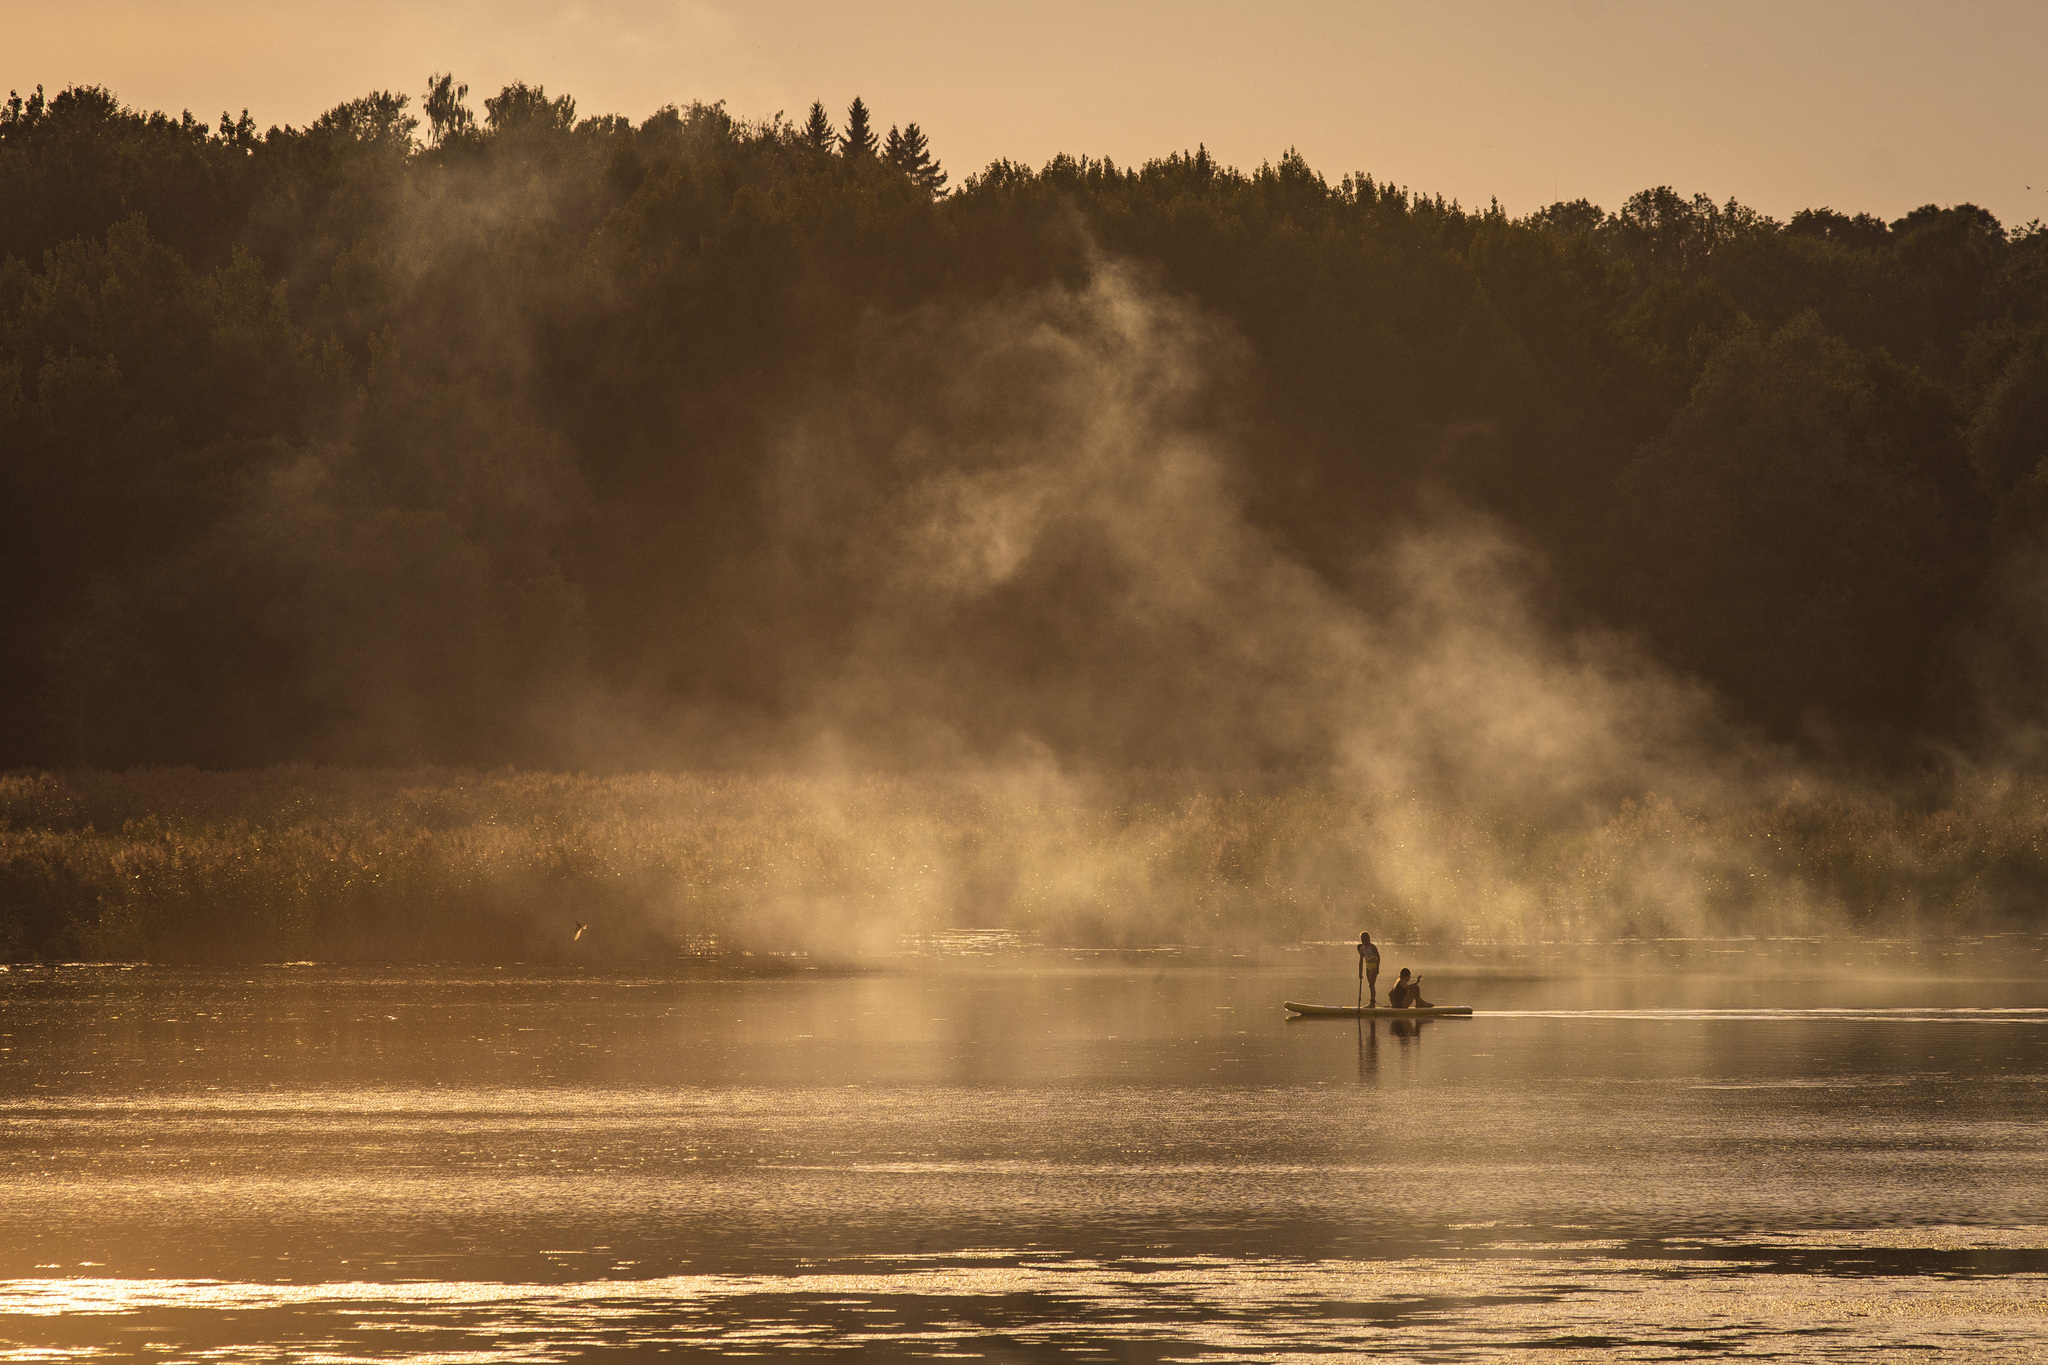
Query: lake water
1659 1152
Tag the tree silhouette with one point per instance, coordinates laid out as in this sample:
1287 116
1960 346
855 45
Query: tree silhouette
859 137
378 117
520 108
909 151
447 115
1864 231
817 132
241 132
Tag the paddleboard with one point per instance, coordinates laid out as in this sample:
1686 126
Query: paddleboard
1375 1012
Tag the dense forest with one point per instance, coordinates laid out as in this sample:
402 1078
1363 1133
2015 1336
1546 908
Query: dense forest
552 440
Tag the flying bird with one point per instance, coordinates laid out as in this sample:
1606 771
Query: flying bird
580 927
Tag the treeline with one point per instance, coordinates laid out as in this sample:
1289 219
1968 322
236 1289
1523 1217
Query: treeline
465 439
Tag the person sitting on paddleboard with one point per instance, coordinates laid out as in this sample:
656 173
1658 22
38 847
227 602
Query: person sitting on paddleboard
1369 967
1406 994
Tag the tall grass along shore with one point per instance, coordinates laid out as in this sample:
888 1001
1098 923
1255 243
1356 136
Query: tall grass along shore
179 865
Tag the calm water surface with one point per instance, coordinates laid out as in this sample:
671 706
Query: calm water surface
1666 1152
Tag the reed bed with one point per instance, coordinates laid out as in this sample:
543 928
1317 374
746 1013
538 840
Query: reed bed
329 864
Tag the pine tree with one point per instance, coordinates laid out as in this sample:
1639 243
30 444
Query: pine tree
817 132
859 137
910 152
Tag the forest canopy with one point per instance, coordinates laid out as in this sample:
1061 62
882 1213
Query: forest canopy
424 435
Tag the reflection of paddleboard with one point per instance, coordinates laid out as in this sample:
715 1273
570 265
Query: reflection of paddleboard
1376 1012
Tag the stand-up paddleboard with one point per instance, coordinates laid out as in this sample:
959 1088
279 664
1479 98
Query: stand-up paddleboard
1375 1011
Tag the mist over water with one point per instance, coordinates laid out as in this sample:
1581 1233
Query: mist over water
1039 502
1011 559
1027 518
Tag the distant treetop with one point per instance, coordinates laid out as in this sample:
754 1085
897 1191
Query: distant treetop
521 108
909 152
817 132
447 116
379 117
859 137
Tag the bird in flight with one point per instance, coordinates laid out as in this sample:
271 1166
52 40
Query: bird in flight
580 927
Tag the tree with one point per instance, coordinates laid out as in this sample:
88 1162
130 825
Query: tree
17 113
241 132
1799 529
447 115
1950 261
378 118
1569 219
1662 231
1863 232
859 137
520 107
817 132
909 152
2008 438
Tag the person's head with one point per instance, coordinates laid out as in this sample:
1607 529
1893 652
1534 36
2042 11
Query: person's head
1404 973
1365 938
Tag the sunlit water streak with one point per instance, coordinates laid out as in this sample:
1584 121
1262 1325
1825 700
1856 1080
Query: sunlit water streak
1138 1165
1003 1304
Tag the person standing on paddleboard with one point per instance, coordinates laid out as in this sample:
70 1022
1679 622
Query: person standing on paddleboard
1369 965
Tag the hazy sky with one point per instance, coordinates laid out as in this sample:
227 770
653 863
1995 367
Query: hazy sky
1783 104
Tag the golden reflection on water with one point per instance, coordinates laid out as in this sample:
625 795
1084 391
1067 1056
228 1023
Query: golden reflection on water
1105 1164
1631 1308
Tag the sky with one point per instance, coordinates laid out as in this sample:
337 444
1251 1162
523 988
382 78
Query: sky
1873 105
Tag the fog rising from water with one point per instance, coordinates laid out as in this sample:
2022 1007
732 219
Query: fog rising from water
1057 579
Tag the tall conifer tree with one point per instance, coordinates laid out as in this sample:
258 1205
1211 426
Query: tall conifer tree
859 137
909 151
818 133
